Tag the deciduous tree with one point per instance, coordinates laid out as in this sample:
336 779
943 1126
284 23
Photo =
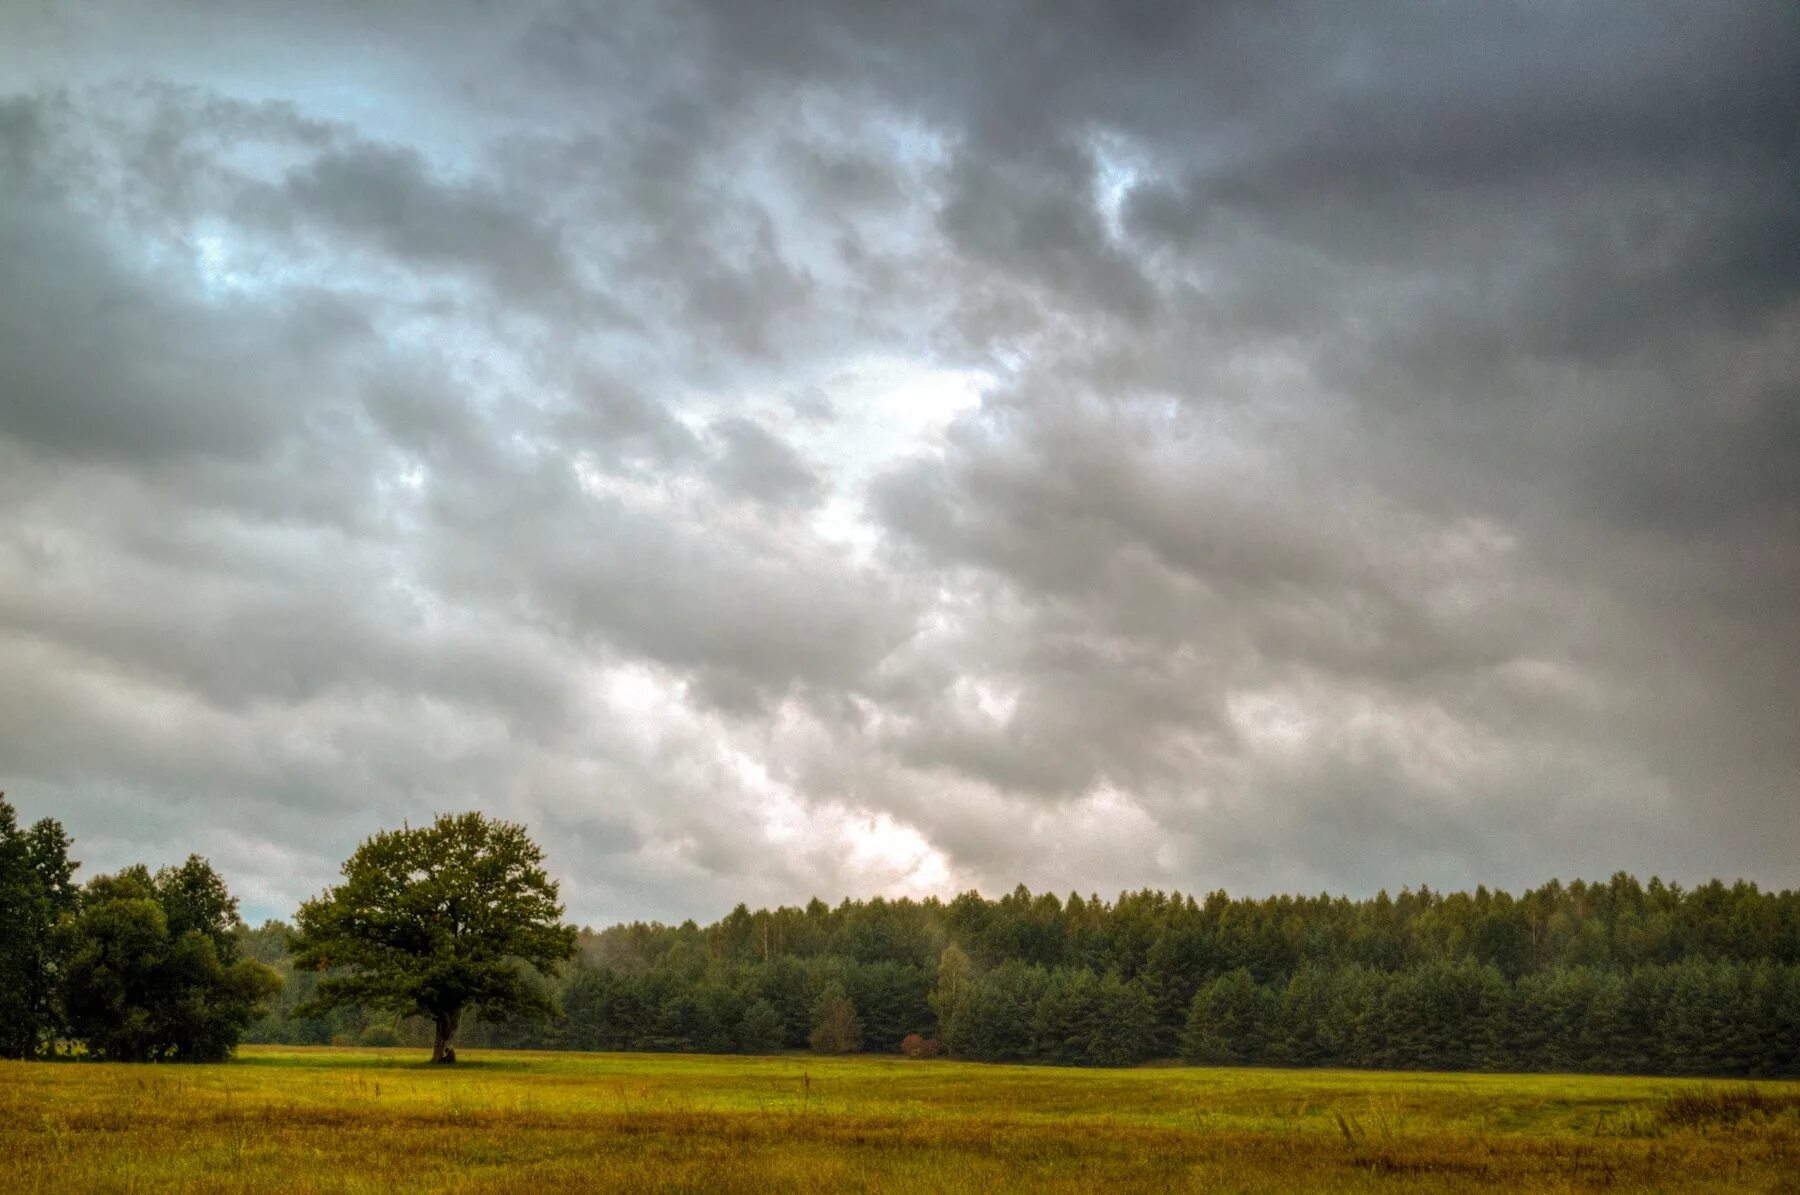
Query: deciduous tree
950 997
36 891
836 1029
437 921
144 982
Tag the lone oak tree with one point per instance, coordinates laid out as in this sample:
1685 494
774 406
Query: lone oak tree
436 921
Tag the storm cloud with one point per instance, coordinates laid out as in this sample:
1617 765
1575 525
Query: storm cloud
832 448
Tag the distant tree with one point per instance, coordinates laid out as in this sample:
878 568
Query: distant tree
721 1012
1617 976
999 1023
1300 1035
1175 966
1349 1032
680 1022
785 983
1230 1021
951 996
1439 1016
836 1029
144 981
892 1000
585 995
437 921
601 1010
760 1029
1125 1025
1067 1017
36 892
267 943
379 1035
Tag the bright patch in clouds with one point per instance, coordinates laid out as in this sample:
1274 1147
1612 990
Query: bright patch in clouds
803 450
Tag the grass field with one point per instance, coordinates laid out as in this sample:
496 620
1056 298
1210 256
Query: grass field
366 1120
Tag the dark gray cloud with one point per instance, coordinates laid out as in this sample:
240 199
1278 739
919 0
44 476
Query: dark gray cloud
761 466
386 198
848 447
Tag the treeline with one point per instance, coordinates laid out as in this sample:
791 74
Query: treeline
132 967
1698 1016
1619 976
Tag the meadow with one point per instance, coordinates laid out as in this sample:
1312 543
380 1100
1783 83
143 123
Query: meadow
355 1120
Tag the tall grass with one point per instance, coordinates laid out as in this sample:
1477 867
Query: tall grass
368 1120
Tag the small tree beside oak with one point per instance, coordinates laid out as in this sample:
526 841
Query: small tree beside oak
437 921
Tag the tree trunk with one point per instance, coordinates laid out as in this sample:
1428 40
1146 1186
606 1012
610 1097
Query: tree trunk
443 1044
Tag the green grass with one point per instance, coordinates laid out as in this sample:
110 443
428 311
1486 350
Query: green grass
378 1120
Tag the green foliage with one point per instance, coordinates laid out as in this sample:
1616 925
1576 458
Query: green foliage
1230 1022
599 1011
144 979
891 999
36 892
195 899
1085 1020
836 1028
1066 1017
760 1030
950 996
787 984
1689 1018
1618 976
436 920
1001 1022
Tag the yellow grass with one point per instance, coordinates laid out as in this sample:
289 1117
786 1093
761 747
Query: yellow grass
372 1120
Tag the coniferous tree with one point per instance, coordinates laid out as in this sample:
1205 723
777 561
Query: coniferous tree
1067 1018
1300 1030
759 1030
892 1000
999 1025
785 983
1568 976
1229 1022
1125 1023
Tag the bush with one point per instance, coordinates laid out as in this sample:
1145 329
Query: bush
914 1046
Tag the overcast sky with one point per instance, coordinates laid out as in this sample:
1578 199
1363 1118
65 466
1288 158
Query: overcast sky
819 448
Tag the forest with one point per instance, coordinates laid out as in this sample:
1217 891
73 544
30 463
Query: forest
1617 976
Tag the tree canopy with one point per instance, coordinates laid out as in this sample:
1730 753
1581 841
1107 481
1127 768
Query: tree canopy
151 967
435 921
1619 975
37 890
459 918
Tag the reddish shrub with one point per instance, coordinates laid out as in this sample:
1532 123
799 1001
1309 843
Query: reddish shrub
914 1046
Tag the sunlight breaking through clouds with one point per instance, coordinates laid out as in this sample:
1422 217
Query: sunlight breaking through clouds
842 450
